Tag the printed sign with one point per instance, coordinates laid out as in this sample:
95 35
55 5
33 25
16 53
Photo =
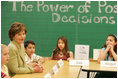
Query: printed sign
82 52
79 62
108 63
96 53
48 75
55 69
60 63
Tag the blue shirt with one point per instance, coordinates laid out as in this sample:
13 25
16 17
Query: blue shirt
109 58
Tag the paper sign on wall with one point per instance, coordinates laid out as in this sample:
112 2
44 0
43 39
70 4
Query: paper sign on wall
108 63
96 53
82 52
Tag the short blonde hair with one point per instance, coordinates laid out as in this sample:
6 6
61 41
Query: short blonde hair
3 46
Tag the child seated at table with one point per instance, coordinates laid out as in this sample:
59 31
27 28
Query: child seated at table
61 50
31 58
4 60
108 53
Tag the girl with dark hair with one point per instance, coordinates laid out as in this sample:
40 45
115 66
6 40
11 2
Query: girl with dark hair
61 50
108 53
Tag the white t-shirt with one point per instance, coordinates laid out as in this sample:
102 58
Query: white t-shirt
34 58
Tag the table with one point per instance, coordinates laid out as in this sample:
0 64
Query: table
94 66
65 71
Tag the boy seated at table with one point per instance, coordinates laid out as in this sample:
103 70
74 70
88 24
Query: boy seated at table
31 58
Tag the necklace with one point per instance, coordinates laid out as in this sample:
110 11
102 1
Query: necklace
60 55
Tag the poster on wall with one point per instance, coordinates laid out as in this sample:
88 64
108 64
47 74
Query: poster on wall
82 52
96 53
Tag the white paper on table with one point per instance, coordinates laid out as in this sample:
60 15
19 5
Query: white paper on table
79 62
55 69
96 53
48 75
60 63
108 63
81 52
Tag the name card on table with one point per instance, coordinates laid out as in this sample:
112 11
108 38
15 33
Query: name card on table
60 63
48 75
108 63
82 52
79 62
55 69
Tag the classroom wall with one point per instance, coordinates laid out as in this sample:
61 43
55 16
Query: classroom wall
86 23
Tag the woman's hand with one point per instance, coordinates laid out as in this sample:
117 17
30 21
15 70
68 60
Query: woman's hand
32 64
38 68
